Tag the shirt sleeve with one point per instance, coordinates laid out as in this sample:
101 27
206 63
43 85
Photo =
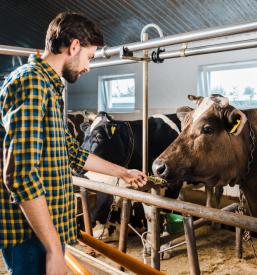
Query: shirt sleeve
77 155
23 113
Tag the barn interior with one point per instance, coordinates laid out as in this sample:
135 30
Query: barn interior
118 90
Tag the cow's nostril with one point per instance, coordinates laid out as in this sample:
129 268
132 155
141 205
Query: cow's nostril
161 169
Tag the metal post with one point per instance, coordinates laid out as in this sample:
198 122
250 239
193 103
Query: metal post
191 246
155 215
145 108
155 235
125 215
85 208
239 243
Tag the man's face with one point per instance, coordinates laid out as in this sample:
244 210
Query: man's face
78 64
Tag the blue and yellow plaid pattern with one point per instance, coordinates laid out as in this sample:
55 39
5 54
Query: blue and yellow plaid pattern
37 152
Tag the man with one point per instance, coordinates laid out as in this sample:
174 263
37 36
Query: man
37 153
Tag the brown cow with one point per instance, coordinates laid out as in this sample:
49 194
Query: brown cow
216 147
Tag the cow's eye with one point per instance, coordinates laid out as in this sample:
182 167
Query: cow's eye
207 130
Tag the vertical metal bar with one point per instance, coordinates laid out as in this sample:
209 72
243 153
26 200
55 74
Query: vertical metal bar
155 231
125 216
85 208
239 243
155 234
145 108
191 246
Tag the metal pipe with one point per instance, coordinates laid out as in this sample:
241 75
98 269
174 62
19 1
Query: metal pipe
222 47
145 108
85 207
125 216
191 246
181 38
239 243
151 25
212 214
20 51
155 235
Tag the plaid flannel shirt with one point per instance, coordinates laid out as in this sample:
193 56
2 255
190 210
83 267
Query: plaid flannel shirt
37 152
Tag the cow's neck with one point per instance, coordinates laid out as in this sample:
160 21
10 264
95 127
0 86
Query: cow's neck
136 155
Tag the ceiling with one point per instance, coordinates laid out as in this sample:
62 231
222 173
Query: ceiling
24 22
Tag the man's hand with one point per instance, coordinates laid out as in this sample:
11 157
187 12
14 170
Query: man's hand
96 164
134 177
55 263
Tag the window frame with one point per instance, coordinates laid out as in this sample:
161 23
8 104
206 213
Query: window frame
204 75
104 106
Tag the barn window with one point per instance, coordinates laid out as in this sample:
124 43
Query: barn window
237 81
116 93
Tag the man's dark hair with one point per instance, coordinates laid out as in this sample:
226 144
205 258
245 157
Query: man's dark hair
67 26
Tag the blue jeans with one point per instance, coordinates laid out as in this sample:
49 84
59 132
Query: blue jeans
28 258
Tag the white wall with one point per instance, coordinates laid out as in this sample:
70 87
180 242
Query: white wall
169 82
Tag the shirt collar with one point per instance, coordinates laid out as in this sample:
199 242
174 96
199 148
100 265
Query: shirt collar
51 73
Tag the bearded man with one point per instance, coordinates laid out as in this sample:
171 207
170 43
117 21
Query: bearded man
37 152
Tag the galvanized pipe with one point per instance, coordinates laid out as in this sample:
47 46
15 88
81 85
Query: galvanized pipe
181 38
239 243
85 207
222 47
191 246
145 108
124 221
20 51
212 214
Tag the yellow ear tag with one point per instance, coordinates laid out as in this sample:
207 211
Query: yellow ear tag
113 129
233 130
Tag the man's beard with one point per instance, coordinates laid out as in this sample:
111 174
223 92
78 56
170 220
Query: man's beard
69 73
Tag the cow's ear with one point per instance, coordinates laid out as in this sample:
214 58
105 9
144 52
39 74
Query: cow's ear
182 111
236 120
84 126
195 99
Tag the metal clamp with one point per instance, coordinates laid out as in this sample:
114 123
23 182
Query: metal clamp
183 49
125 53
156 55
103 52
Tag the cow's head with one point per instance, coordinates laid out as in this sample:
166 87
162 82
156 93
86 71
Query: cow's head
107 138
212 147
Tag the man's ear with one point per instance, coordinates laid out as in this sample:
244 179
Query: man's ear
74 47
182 111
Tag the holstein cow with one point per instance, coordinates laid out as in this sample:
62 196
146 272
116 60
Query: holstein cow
121 142
216 147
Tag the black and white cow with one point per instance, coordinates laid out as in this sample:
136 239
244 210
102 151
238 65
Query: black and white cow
121 142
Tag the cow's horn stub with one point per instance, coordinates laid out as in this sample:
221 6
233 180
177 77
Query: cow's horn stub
196 99
220 100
